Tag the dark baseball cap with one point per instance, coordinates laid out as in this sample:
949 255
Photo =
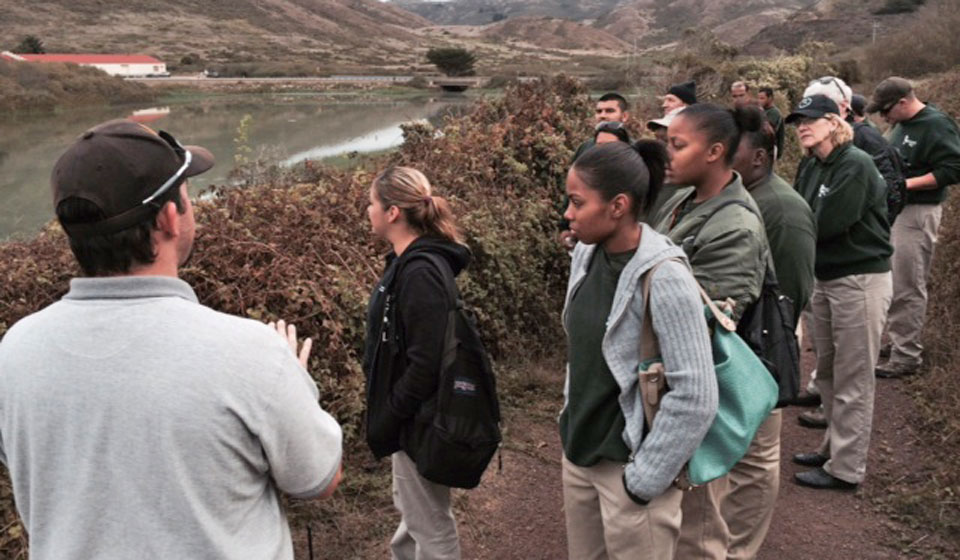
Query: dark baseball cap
858 104
887 93
127 170
813 107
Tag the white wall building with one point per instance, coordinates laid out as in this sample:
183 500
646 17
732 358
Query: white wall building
133 65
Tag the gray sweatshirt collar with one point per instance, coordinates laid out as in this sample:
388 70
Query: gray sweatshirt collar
129 287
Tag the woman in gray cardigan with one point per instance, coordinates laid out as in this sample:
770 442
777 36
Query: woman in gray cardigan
617 472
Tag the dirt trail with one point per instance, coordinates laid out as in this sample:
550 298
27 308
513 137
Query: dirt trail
518 513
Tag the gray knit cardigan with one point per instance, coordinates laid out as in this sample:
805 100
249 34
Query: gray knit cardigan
688 408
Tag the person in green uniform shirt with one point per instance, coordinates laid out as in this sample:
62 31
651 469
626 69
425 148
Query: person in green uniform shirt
929 144
748 505
765 97
853 288
729 255
618 493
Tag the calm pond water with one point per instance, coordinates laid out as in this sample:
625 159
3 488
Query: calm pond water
286 129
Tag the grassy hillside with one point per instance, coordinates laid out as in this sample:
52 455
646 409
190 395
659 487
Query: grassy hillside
326 33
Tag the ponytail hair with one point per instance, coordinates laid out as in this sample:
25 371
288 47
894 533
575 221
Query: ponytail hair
409 190
636 170
725 126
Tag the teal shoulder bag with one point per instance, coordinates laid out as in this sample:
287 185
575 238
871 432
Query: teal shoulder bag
747 394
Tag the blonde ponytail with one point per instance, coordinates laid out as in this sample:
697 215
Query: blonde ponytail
409 190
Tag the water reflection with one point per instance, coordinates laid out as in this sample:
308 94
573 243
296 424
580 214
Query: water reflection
289 130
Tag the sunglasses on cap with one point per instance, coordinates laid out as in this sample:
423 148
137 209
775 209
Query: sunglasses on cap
835 82
608 126
177 177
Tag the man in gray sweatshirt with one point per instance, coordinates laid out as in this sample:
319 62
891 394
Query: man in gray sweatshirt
135 422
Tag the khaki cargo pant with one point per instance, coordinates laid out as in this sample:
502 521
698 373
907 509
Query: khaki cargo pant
914 237
752 488
704 534
427 528
849 315
603 522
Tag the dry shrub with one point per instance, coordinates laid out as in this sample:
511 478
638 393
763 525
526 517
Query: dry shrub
928 44
934 502
300 248
31 86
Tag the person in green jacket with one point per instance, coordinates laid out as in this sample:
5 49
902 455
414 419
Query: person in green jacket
929 143
729 254
853 288
754 483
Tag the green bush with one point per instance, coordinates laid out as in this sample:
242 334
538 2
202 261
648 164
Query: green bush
300 248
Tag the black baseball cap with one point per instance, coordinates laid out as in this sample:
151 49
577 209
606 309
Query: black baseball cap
813 107
127 170
887 93
858 104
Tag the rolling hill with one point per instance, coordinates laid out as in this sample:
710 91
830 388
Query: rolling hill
323 31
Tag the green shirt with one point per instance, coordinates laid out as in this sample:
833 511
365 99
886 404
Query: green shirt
848 197
792 234
591 425
929 143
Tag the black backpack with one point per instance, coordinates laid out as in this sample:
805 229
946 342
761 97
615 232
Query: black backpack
889 164
455 449
768 326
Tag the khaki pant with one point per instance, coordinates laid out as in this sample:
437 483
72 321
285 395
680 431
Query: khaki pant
603 522
427 528
704 534
914 237
752 488
849 313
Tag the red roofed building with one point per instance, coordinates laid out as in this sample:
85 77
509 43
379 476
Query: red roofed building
113 64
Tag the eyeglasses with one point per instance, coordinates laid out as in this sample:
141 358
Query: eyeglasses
888 108
835 82
177 177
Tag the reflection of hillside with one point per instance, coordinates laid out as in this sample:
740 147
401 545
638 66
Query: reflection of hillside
33 145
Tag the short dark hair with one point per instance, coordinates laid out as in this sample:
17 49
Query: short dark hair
114 253
614 96
724 125
636 170
768 91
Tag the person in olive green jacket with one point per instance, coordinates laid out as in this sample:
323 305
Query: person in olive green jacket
852 291
929 143
728 253
754 483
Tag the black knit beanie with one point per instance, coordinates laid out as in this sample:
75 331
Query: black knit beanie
686 92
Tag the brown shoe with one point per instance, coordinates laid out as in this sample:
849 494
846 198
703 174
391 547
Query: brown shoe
813 419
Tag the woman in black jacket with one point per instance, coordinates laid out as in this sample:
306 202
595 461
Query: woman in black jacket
406 324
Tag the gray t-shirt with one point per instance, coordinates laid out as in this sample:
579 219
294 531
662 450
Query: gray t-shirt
137 423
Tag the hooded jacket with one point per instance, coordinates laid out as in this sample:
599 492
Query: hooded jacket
406 325
688 408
